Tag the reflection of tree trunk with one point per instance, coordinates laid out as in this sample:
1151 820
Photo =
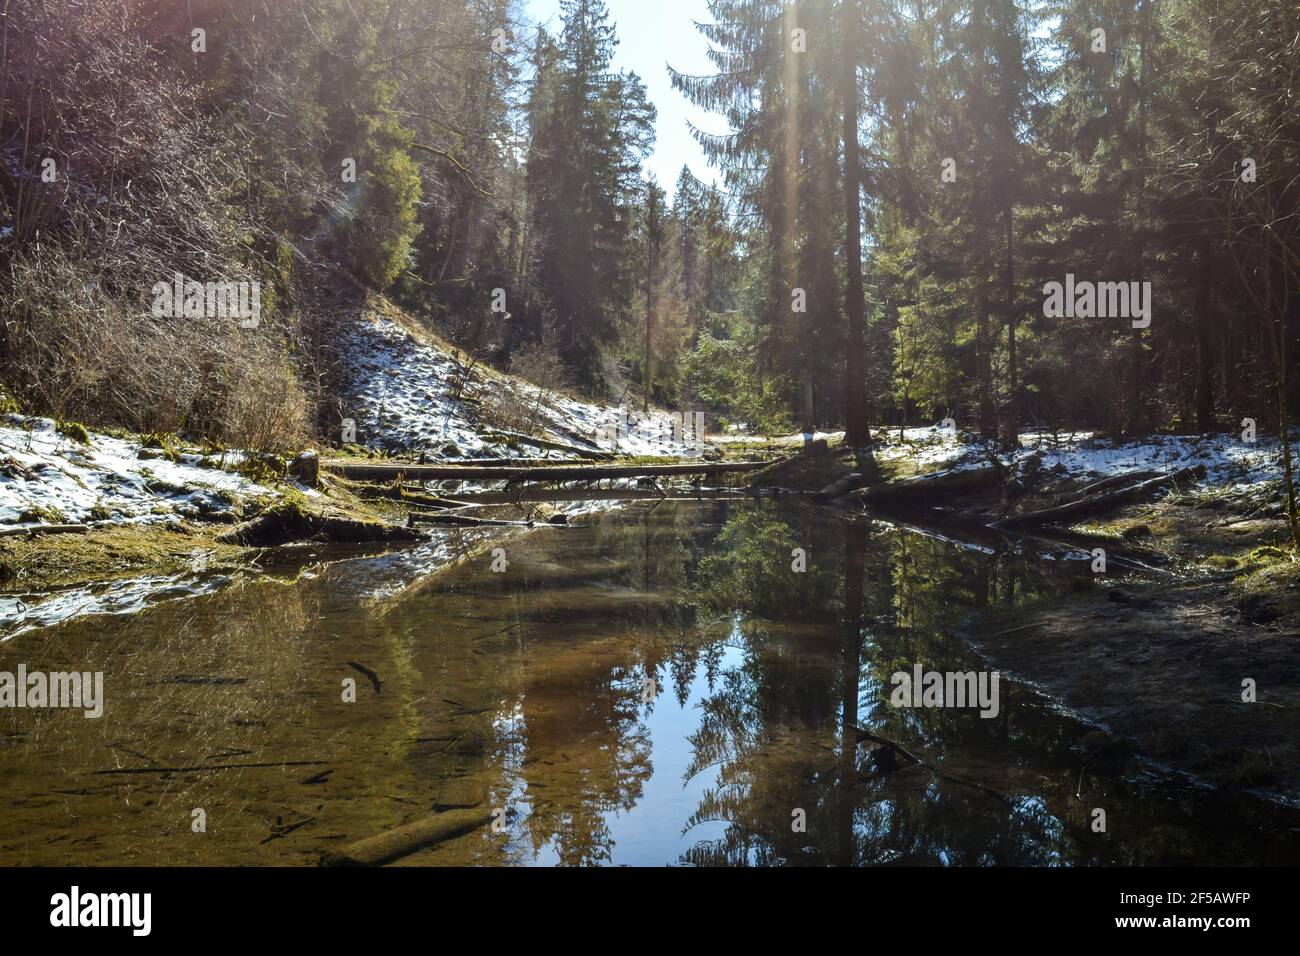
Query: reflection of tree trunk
984 572
855 562
645 556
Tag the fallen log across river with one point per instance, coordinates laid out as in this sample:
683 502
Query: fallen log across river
405 840
389 471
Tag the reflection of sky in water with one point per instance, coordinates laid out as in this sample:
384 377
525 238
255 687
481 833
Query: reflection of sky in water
650 834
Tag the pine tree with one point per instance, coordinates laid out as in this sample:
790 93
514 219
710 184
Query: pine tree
590 127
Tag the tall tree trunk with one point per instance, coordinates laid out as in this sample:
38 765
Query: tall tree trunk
808 413
1278 339
649 321
1137 416
856 433
1205 413
1013 384
796 85
984 361
653 237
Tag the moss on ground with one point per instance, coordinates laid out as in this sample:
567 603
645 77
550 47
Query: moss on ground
112 551
104 554
73 430
45 514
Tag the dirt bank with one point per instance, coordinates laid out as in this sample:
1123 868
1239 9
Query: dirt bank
1162 667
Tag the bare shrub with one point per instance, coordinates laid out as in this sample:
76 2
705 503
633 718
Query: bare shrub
148 186
517 407
266 409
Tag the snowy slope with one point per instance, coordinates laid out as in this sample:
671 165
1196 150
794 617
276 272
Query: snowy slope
105 480
1228 461
400 396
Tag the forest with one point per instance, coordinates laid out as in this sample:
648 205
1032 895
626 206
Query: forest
431 481
900 183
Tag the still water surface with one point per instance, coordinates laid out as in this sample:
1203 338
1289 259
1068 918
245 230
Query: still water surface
655 686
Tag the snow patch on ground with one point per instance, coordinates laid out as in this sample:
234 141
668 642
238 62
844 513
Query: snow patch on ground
929 449
402 395
1228 461
104 481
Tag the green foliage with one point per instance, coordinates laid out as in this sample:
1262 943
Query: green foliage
751 571
73 430
728 380
381 225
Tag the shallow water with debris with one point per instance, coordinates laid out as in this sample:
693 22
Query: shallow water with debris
653 686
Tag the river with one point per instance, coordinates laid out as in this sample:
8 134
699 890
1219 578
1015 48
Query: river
654 685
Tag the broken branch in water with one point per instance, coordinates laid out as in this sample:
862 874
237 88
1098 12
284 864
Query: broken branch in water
215 766
441 518
375 682
886 742
406 839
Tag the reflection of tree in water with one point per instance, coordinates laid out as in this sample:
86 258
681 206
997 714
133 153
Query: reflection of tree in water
586 764
763 726
779 729
748 570
786 667
578 764
768 763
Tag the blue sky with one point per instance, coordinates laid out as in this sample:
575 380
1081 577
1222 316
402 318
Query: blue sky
651 34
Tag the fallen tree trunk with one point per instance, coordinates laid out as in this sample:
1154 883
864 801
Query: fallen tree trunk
1128 478
34 530
371 471
943 484
415 499
588 452
841 487
518 462
1090 505
525 494
405 840
417 517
